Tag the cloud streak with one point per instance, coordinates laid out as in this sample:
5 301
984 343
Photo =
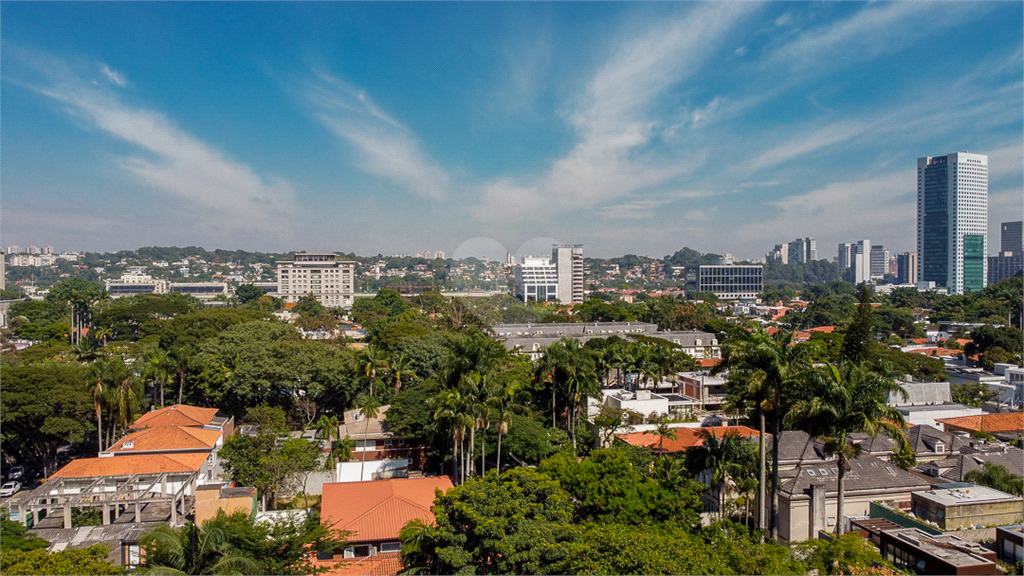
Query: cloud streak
384 147
614 123
216 191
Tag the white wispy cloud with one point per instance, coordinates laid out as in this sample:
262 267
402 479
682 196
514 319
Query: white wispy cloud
218 192
115 78
384 146
614 121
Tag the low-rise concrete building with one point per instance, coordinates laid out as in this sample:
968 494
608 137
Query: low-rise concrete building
213 498
918 551
1010 543
962 505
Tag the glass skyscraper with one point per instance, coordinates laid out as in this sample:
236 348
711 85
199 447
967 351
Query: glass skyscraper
952 221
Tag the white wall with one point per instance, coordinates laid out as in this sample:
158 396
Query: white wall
350 471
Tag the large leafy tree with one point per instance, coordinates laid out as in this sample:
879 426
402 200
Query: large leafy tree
43 408
70 562
998 477
278 547
842 400
607 488
515 523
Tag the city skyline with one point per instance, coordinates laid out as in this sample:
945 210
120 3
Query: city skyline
383 128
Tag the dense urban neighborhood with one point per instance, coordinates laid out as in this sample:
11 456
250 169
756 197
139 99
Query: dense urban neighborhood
296 426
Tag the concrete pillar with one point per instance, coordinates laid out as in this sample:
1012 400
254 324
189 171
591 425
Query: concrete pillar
21 515
818 498
67 515
163 486
138 516
106 513
174 511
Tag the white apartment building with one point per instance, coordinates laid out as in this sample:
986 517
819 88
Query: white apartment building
330 280
569 265
952 221
537 280
132 283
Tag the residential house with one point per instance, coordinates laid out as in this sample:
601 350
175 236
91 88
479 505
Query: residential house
1005 427
962 505
1010 543
973 457
185 415
173 440
374 514
375 443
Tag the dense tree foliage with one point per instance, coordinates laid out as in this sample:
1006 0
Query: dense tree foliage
70 562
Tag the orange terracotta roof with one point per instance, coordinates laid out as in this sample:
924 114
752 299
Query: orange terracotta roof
168 438
829 329
709 362
177 415
962 341
686 438
132 464
771 330
919 340
378 510
937 351
1011 422
380 565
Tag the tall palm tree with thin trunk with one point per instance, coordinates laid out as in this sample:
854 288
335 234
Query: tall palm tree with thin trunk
765 377
97 374
844 399
180 359
369 408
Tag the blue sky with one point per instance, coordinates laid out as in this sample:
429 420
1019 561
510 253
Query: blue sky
400 127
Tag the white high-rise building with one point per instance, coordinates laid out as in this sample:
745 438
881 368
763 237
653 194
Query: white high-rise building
569 263
330 280
537 280
952 221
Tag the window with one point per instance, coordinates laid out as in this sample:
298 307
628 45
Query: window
390 547
810 473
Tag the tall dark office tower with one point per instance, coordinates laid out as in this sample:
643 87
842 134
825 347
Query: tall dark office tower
952 221
1011 237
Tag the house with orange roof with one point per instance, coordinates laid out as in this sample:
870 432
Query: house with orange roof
1004 426
374 513
185 415
172 440
686 438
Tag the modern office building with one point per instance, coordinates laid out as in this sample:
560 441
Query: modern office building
330 280
132 283
906 268
803 250
732 282
537 280
1011 237
845 259
1004 265
879 261
569 264
856 259
952 221
779 254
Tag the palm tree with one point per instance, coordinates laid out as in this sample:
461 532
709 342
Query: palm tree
193 550
413 535
998 477
157 370
723 457
664 431
125 390
180 358
97 373
400 367
765 375
451 409
505 401
368 408
845 399
372 360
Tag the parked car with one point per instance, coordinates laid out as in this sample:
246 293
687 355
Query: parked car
9 489
16 473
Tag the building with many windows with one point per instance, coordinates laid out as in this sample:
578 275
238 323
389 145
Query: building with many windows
906 268
732 282
802 250
1011 237
952 221
569 266
879 261
329 280
537 280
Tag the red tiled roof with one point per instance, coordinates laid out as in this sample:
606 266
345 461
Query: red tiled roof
1011 422
168 438
686 438
177 415
132 464
937 351
822 329
919 340
378 510
709 362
